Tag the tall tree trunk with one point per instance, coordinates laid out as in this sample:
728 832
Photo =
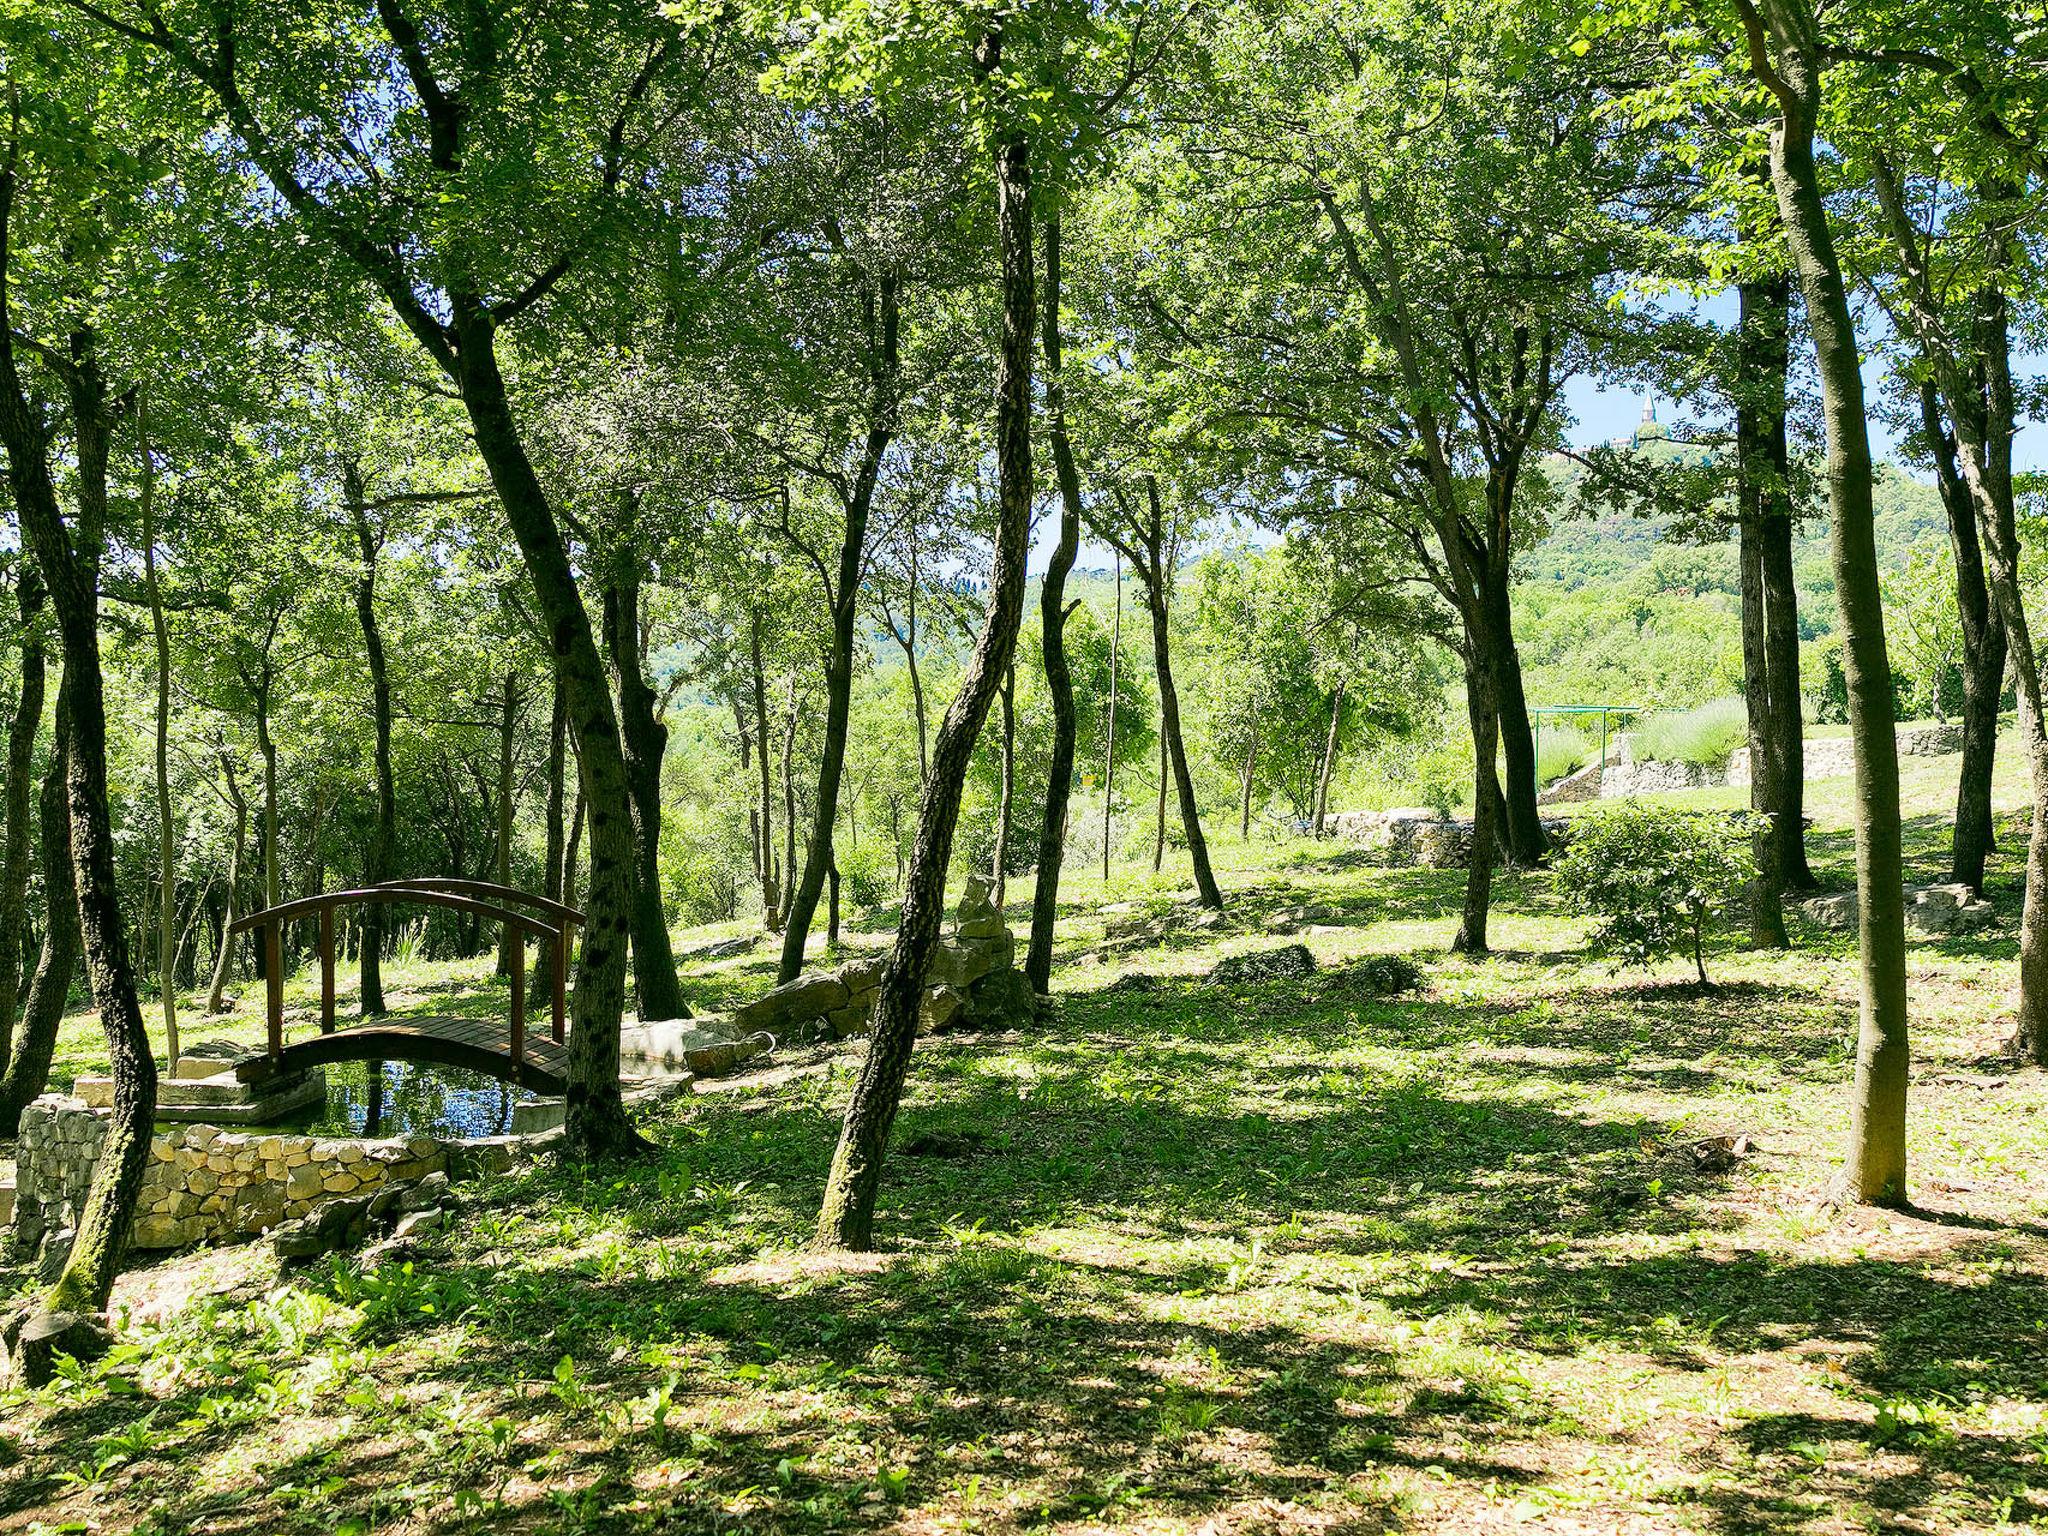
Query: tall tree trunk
1000 872
1758 330
166 840
1786 746
657 989
70 570
1766 338
572 847
1159 812
597 1124
384 829
1329 762
540 985
1486 807
35 1043
1052 617
843 597
788 811
771 894
1116 637
1785 52
266 746
1245 776
846 1215
1156 576
215 1000
20 804
1524 840
1984 654
508 727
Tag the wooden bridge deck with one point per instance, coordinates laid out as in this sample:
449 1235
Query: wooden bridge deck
481 1045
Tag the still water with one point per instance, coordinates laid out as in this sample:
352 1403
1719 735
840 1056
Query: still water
405 1098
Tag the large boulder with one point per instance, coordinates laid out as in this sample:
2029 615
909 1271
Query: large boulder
795 1003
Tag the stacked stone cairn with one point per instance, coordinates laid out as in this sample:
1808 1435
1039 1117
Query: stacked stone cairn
973 983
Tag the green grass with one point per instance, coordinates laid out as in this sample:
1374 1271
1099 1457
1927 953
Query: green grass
1292 1256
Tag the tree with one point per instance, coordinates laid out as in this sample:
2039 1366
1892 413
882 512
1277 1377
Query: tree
1657 878
497 205
1786 55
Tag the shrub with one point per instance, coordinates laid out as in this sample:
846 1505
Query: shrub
1706 735
1559 750
1387 975
869 872
1656 878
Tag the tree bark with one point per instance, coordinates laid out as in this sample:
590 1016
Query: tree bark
166 841
597 1123
1486 809
1156 577
19 852
846 1216
1052 615
1000 870
657 989
1785 53
384 830
1245 776
35 1042
540 985
842 596
1329 761
1524 838
1762 303
508 725
788 812
215 1000
1984 654
69 561
1116 636
771 895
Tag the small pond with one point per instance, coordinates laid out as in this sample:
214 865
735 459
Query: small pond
405 1098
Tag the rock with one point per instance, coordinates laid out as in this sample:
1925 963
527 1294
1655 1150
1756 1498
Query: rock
413 1223
299 1239
941 1006
1290 962
1000 1000
863 975
34 1340
431 1191
854 1019
809 996
1932 911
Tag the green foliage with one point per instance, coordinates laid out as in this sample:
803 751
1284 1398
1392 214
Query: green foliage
1705 735
1655 877
1560 749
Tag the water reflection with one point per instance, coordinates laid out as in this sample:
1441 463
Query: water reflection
404 1098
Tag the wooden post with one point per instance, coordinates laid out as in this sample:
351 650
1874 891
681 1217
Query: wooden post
561 999
327 970
273 986
515 952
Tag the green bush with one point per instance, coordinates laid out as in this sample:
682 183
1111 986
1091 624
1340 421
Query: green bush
1657 878
1560 749
868 869
1706 735
1387 975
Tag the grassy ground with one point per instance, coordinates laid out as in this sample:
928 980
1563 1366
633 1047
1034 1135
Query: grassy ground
1183 1259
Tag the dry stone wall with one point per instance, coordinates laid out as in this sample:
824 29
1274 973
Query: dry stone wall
206 1184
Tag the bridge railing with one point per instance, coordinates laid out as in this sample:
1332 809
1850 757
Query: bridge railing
541 918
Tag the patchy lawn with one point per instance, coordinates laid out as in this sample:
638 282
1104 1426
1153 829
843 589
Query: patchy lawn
1289 1256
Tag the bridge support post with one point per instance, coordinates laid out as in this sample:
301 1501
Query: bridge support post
560 950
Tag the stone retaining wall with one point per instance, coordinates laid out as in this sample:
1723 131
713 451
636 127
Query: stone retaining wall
207 1184
1834 757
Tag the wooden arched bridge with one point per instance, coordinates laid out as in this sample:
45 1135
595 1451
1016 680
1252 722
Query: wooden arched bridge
501 1050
